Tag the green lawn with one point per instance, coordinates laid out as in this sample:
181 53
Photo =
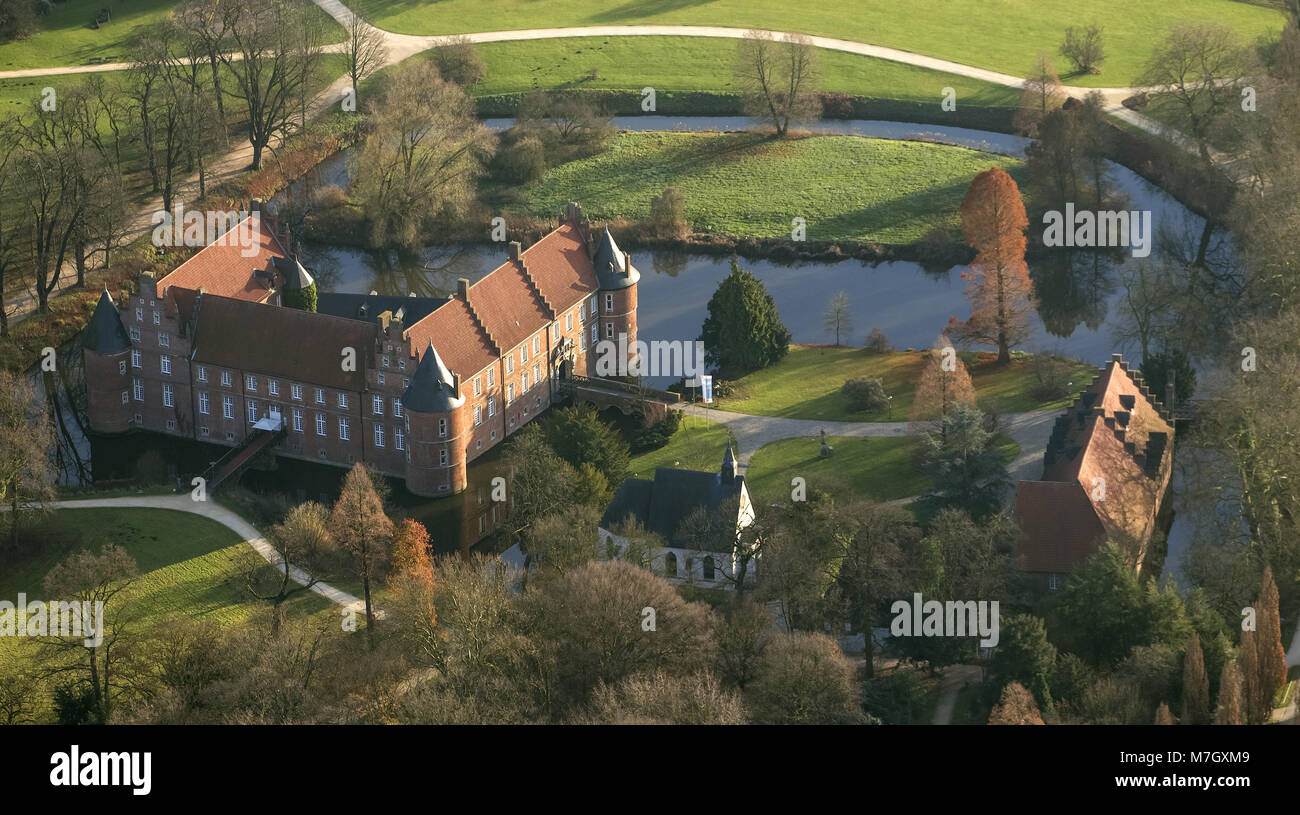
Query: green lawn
700 64
882 469
806 384
697 445
187 564
744 184
66 38
1004 36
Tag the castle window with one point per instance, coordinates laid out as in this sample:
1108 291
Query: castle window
296 391
379 435
252 411
228 407
536 370
401 363
320 396
442 428
273 387
609 331
250 383
591 306
595 333
582 340
510 365
297 419
386 360
225 379
203 373
510 393
582 311
126 397
537 345
492 409
137 385
171 424
708 567
164 339
377 405
555 331
442 457
343 400
523 381
609 303
139 315
492 377
320 424
138 420
344 431
478 386
523 354
568 321
121 367
135 334
1053 581
399 438
168 400
157 319
203 431
478 415
397 408
166 363
379 377
203 402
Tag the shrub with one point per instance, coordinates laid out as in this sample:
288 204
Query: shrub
668 213
1082 47
657 434
522 161
899 698
837 106
458 61
877 342
865 393
1051 377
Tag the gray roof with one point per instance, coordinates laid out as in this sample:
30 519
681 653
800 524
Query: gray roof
432 389
662 504
611 263
413 309
105 332
295 276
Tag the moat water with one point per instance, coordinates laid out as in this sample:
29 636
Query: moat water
1078 290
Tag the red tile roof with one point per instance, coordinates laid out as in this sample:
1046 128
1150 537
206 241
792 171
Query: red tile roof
460 340
222 268
508 306
1097 480
560 267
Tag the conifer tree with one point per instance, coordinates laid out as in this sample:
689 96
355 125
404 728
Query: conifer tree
1163 716
1015 707
1196 685
1268 638
1228 711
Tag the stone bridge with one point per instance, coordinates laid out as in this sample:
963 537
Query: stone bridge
631 400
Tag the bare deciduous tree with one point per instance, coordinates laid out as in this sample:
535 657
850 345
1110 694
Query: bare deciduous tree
779 77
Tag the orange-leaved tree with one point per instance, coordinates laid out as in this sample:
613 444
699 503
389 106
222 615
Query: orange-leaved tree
1001 294
944 384
364 531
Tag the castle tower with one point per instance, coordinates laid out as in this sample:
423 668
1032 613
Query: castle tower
438 434
617 294
106 354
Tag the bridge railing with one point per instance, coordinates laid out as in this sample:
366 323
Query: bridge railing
638 391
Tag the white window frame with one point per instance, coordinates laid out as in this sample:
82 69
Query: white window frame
204 402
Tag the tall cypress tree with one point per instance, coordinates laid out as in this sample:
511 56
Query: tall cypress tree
1268 639
1196 685
1228 711
743 331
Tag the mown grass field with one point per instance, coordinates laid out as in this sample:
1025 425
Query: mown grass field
806 384
747 185
704 64
881 469
1004 36
64 36
697 445
187 564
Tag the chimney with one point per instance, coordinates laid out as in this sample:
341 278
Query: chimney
514 249
1169 397
462 288
627 265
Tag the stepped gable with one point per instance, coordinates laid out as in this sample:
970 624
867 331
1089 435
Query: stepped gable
463 344
105 332
297 345
560 267
225 271
508 306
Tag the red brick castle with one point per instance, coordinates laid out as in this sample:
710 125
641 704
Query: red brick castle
415 387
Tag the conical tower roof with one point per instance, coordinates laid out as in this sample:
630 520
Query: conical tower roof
105 332
432 389
611 263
